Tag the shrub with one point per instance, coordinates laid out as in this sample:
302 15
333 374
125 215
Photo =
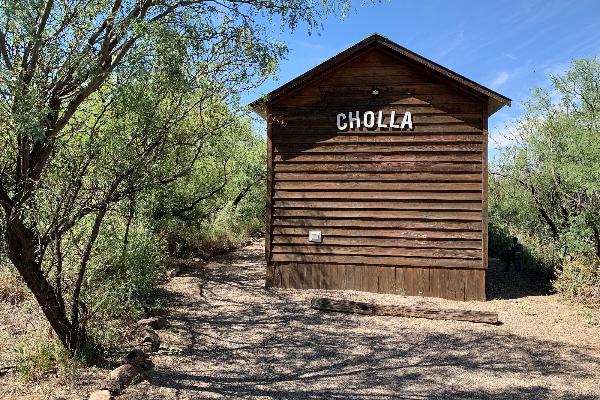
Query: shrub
121 279
12 288
580 279
40 353
545 185
499 241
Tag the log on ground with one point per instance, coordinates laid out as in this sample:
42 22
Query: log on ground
356 307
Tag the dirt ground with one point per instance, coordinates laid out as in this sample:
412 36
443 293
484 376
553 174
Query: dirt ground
232 339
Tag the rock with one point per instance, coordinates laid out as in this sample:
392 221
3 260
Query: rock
100 395
151 338
173 272
139 359
120 378
153 322
148 306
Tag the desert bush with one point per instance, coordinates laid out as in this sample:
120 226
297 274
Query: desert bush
234 174
540 259
226 231
110 104
121 277
12 288
545 188
499 240
579 279
40 353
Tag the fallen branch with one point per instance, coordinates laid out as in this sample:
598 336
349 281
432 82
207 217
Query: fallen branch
356 307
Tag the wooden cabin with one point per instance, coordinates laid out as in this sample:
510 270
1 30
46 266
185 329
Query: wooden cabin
377 176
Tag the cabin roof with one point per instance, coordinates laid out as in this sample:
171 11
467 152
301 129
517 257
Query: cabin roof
495 100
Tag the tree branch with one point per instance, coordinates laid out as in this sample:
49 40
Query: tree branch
179 212
543 213
37 39
5 201
4 51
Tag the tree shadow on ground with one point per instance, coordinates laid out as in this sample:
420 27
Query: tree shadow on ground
512 283
242 341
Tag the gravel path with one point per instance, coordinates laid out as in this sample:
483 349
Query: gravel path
232 339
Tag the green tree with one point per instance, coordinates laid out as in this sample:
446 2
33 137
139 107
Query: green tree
92 112
547 182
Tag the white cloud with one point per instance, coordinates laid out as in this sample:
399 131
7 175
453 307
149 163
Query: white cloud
501 79
458 40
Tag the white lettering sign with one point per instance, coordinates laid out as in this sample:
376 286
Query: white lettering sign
354 119
407 121
370 119
380 123
341 126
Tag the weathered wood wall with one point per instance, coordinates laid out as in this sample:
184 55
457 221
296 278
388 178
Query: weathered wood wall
400 211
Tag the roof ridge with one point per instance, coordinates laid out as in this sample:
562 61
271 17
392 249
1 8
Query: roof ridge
375 37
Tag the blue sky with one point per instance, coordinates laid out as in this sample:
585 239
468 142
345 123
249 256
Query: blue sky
509 46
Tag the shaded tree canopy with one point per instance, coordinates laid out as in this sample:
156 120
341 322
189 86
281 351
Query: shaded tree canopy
547 182
100 100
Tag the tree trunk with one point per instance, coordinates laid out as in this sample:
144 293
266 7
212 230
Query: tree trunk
22 252
241 195
596 235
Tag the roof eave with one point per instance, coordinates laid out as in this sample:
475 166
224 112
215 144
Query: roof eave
495 100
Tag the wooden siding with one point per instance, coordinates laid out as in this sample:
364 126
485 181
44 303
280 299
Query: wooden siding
454 284
400 211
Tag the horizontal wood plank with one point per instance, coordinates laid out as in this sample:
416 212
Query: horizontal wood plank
397 166
376 148
315 222
458 156
370 185
330 127
381 233
406 195
377 176
330 118
310 137
379 260
432 252
353 97
380 214
415 106
379 205
380 242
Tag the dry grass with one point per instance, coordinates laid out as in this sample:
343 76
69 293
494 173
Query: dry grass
12 288
579 280
33 365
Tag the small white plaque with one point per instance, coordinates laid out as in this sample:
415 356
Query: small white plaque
314 236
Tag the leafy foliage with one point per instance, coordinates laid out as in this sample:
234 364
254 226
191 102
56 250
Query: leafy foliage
547 184
107 108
